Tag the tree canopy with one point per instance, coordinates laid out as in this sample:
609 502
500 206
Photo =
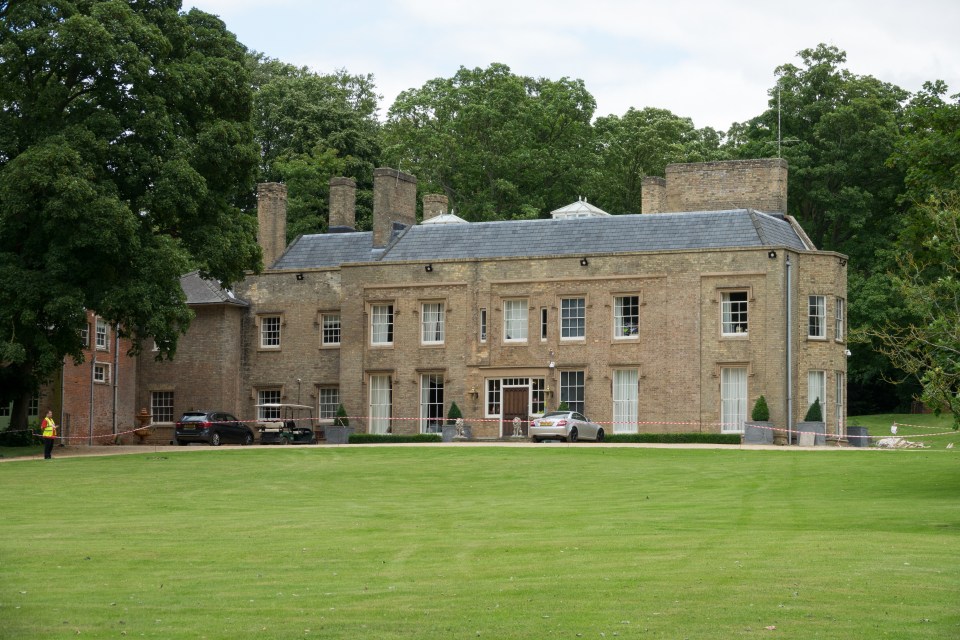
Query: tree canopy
499 145
126 151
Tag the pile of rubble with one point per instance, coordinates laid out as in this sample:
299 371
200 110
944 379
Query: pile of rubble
894 442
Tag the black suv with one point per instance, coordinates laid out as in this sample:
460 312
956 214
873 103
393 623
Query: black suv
212 427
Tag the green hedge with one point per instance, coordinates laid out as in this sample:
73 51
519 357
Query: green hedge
677 438
381 438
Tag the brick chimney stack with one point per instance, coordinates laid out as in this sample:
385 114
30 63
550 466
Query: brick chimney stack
271 220
653 194
343 205
394 201
434 204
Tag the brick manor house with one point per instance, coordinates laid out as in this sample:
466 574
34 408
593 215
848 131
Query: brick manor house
672 320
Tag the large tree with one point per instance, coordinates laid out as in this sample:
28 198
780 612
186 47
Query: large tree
126 150
312 127
499 145
642 143
837 130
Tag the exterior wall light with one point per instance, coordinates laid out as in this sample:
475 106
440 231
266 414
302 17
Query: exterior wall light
428 268
299 276
772 254
584 262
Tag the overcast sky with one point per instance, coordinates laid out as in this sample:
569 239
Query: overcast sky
709 60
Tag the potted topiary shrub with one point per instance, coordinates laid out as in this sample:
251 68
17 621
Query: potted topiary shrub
813 423
339 432
759 429
449 430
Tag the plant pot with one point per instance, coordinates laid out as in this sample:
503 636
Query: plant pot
818 429
758 432
339 435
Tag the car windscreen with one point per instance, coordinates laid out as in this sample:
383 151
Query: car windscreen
194 417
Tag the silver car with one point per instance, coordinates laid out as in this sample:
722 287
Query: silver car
565 425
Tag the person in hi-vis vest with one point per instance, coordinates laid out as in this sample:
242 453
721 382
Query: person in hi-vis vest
49 433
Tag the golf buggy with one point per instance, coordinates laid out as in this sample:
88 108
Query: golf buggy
289 424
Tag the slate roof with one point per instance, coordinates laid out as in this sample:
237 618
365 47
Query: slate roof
201 291
541 238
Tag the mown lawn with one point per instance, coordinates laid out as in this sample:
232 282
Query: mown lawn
482 542
934 431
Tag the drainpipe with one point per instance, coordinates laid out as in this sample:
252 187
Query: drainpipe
93 366
116 374
789 351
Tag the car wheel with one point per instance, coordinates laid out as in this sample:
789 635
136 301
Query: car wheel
573 435
248 440
536 439
600 435
182 443
215 439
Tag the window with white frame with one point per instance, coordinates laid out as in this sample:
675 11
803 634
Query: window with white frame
573 318
625 400
5 410
838 404
626 317
816 317
733 399
431 403
330 329
101 372
734 313
381 403
432 323
515 320
493 398
33 407
85 336
161 406
381 324
543 324
328 401
571 390
840 326
817 389
270 332
102 335
268 396
537 396
483 325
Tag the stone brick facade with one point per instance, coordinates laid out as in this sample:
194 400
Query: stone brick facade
366 332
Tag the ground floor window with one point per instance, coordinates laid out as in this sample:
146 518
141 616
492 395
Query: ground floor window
839 404
431 403
733 398
101 373
625 400
161 406
381 403
817 390
571 390
268 396
537 394
328 402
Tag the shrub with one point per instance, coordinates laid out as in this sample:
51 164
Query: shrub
814 413
676 438
21 437
563 406
341 420
761 413
453 414
389 438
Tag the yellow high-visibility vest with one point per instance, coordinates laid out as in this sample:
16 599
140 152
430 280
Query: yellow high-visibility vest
49 428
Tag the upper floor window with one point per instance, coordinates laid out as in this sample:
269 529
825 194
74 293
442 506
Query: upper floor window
330 329
817 317
543 323
270 332
483 325
102 335
733 309
381 324
626 316
573 318
840 320
432 323
85 336
515 320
